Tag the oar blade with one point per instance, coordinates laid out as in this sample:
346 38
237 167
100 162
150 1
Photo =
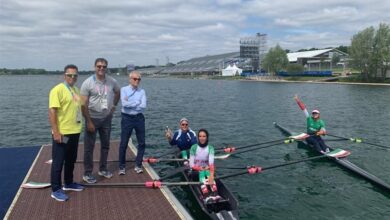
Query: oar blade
300 137
222 156
35 185
338 153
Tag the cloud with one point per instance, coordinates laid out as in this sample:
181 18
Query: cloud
71 31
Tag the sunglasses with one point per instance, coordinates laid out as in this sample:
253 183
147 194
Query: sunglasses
101 67
72 75
184 124
136 79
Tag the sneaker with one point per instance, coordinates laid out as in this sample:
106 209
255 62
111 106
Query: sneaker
215 196
106 174
59 195
122 171
208 200
73 187
89 178
138 170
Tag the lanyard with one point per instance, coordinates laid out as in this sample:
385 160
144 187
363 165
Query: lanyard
105 89
75 97
70 90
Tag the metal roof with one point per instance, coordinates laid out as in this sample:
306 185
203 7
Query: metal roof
293 57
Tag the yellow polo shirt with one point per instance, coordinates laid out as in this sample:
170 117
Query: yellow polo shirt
68 104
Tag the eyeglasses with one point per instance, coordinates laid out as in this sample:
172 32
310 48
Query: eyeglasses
184 124
136 79
101 67
72 75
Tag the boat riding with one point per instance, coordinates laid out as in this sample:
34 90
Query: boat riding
226 208
344 162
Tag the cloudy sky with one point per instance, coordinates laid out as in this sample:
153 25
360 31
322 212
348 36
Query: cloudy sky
52 33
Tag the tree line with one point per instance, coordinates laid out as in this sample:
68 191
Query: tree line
32 71
369 54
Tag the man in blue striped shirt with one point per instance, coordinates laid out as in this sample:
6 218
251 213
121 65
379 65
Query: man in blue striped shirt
133 100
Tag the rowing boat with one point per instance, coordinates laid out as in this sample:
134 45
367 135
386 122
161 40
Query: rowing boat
344 162
224 208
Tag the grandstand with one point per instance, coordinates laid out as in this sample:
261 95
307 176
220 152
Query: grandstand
210 65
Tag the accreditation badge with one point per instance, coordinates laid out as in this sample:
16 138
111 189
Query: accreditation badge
78 115
104 103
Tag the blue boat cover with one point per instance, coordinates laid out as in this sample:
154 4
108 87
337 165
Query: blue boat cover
14 165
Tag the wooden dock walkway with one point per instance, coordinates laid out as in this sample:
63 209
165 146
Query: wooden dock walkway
96 203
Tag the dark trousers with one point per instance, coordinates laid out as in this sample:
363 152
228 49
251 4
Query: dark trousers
103 127
317 142
128 123
63 155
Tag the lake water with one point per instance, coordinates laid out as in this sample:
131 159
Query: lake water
241 113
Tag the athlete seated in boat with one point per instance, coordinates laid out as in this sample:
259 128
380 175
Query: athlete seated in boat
183 138
315 128
202 161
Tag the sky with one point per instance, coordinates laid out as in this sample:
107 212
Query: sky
52 33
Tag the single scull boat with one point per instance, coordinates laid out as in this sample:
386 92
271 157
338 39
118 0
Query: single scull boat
344 162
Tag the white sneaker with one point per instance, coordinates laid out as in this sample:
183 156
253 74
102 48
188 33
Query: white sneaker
106 174
122 171
138 170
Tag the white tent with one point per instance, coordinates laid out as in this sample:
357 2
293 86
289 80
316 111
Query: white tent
231 71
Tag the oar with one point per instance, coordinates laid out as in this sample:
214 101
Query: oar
230 148
148 184
359 140
155 184
255 169
257 148
155 160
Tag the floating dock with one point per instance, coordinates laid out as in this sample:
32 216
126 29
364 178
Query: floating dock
96 203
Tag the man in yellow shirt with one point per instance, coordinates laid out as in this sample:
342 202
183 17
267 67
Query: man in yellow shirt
65 121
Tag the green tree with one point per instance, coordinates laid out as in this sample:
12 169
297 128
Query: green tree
370 52
275 60
381 56
342 48
295 69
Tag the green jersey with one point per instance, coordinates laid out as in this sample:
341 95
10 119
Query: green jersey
314 126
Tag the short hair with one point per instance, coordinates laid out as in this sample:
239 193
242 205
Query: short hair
70 66
135 72
102 60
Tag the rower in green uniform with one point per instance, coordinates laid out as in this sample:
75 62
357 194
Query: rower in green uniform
202 161
315 128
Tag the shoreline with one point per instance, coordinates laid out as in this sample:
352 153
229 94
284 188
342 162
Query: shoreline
244 79
315 82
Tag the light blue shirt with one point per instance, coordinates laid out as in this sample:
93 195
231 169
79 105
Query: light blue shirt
133 100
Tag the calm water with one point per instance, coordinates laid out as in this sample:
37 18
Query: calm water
242 113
